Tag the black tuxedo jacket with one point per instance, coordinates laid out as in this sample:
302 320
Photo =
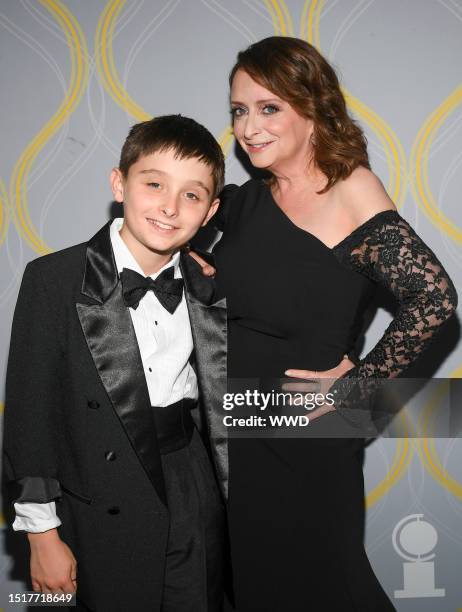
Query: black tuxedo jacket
78 425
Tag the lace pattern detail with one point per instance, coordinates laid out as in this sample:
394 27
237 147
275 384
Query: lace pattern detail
388 251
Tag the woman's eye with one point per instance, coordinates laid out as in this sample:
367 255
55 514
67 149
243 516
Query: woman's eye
154 185
237 111
270 109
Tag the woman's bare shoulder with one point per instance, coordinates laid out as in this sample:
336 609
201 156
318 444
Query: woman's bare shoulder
363 195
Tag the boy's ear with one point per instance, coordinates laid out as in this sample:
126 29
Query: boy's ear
117 185
212 210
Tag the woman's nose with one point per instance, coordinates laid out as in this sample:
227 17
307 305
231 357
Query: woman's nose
251 127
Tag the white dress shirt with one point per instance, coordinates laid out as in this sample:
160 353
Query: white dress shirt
165 344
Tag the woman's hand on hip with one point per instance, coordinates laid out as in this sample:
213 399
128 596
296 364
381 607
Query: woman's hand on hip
315 381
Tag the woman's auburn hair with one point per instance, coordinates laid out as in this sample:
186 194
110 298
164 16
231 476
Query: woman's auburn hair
296 72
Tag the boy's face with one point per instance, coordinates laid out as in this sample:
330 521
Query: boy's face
166 200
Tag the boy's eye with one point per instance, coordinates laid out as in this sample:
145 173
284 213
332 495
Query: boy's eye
270 109
192 196
237 111
154 185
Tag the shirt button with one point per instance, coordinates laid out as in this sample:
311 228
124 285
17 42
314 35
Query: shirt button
93 404
110 456
150 369
113 510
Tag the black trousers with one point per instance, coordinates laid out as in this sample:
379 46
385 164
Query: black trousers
194 564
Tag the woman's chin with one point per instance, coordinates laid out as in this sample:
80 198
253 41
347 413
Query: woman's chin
263 164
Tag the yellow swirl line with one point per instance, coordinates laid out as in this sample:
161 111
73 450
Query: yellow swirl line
282 16
426 446
288 17
110 78
282 19
276 25
282 23
309 21
226 139
315 14
78 80
396 159
4 212
105 61
403 454
419 165
302 31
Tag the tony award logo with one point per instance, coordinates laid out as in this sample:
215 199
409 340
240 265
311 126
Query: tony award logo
413 540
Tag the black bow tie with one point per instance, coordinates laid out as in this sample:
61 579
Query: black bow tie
167 289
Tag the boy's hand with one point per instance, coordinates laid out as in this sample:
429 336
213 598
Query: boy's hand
53 567
207 269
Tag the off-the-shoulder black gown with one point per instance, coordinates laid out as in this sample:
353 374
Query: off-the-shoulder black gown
296 506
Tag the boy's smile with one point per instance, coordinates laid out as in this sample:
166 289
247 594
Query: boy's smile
161 226
166 200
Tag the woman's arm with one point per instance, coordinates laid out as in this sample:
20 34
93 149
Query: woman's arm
219 222
220 218
388 251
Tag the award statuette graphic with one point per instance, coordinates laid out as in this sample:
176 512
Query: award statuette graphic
414 539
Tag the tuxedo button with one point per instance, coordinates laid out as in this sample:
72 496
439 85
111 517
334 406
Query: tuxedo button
93 404
110 456
113 510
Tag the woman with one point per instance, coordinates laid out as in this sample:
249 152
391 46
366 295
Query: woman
298 261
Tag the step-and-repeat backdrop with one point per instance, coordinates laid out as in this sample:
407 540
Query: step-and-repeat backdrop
76 74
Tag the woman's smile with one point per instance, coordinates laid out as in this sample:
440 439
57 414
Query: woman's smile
257 147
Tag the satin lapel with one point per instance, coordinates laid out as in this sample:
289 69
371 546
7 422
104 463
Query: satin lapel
209 329
111 338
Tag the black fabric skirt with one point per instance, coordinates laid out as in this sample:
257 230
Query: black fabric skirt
296 520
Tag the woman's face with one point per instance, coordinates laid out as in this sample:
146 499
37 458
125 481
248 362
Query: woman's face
270 131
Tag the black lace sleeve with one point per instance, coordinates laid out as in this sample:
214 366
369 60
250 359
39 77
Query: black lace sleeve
388 251
220 218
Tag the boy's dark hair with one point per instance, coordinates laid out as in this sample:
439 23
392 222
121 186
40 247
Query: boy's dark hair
182 134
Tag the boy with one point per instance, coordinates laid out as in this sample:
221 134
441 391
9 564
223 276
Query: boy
109 474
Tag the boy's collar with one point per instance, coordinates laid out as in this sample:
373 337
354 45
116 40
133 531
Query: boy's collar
101 276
